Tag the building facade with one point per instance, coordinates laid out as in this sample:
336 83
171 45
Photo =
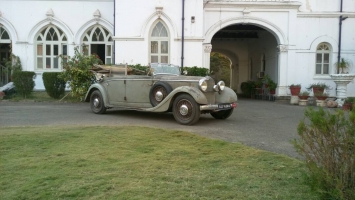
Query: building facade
294 42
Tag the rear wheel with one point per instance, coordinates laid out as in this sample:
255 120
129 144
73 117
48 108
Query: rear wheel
97 102
185 110
223 114
158 92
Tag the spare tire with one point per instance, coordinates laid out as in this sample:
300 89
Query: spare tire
158 92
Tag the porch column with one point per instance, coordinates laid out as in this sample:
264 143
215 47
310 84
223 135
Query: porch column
207 48
282 70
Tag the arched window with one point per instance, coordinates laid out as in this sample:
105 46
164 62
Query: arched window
5 45
323 58
50 43
159 44
98 40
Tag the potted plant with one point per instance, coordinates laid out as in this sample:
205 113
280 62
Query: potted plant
304 95
258 86
349 103
342 66
318 88
295 89
321 96
272 86
342 78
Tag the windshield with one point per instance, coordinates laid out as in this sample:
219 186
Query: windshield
163 68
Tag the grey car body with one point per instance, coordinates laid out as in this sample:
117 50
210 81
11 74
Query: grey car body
163 90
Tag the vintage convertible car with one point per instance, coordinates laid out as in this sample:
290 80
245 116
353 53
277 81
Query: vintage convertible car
163 89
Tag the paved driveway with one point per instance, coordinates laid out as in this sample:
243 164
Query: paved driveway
261 124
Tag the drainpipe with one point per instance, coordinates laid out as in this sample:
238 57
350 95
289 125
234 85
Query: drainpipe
182 36
341 19
114 32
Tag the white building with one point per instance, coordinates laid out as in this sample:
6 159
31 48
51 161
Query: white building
292 41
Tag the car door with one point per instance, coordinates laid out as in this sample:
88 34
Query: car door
116 91
137 90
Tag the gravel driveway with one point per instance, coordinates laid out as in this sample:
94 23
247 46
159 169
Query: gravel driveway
261 124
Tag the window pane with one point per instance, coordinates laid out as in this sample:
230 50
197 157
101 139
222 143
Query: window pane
48 50
164 47
154 59
65 50
318 68
39 50
326 69
108 61
64 38
326 58
48 63
39 38
108 50
55 63
40 63
319 58
164 59
154 47
85 39
55 50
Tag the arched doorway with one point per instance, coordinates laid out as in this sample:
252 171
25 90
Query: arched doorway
98 40
254 49
5 53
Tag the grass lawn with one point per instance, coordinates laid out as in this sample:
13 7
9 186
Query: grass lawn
140 163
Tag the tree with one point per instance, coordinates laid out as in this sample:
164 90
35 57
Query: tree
220 67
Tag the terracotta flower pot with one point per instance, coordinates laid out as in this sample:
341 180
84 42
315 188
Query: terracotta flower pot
295 90
272 91
318 90
347 106
303 97
321 97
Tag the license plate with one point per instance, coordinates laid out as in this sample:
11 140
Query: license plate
224 106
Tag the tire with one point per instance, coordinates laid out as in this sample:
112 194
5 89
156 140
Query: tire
97 102
158 92
223 114
185 110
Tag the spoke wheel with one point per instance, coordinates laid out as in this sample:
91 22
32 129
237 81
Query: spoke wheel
223 114
97 103
185 110
158 92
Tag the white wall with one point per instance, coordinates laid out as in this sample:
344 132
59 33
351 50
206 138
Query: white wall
132 32
26 17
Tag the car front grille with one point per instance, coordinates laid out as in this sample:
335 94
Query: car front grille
210 96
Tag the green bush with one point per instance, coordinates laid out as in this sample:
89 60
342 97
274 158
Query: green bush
327 142
77 72
54 85
196 71
247 88
24 82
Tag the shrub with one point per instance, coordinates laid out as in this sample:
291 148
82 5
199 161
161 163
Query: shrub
247 88
327 143
196 71
54 85
24 82
77 72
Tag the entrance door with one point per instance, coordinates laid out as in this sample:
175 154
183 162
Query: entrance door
4 56
99 49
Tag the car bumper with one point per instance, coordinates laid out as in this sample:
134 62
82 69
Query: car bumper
223 106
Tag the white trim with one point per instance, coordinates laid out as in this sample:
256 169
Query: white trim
9 28
253 4
170 25
325 15
83 29
46 22
272 28
128 38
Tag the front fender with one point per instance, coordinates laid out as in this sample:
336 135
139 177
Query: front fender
226 96
96 86
197 94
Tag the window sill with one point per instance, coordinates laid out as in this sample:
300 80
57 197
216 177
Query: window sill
322 77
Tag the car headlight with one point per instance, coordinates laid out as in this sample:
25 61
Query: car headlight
221 85
203 84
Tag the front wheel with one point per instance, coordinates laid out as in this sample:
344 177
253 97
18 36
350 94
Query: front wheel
97 102
223 114
185 110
